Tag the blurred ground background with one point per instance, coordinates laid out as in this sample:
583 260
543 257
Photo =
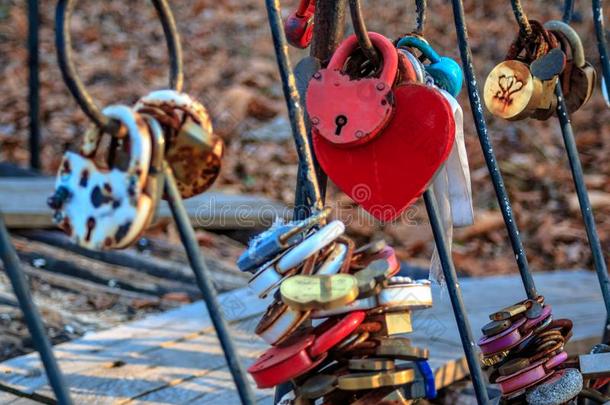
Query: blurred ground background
229 65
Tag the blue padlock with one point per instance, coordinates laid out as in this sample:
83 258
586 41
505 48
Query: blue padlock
446 72
426 371
276 239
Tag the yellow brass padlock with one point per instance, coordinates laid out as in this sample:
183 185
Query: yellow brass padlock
524 84
511 92
319 292
364 381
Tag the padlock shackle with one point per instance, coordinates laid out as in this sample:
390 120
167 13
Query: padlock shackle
139 144
578 52
384 46
421 45
305 8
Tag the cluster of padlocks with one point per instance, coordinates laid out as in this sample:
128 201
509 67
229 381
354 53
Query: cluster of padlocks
107 202
385 127
338 318
524 348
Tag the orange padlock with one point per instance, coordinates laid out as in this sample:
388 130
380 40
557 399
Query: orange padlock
351 110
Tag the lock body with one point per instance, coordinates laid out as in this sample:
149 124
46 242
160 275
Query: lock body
101 208
512 93
349 111
193 152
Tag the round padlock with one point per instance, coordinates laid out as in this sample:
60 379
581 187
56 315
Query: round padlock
531 375
194 152
280 364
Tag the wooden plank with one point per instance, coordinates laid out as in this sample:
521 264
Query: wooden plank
168 261
23 203
6 398
60 261
176 358
103 349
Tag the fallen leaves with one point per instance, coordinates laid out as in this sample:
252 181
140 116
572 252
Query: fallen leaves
229 65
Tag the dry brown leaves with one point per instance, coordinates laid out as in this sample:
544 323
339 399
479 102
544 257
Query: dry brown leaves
229 65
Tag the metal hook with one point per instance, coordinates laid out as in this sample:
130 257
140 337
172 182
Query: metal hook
420 9
522 20
63 43
361 32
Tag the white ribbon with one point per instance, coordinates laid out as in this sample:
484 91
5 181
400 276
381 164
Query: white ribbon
452 189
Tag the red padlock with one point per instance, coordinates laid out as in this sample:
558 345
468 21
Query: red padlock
302 352
347 111
299 24
387 174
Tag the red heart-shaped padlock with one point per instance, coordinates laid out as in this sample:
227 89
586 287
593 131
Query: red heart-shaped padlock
347 111
388 173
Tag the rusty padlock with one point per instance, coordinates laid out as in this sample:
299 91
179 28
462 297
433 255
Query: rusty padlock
299 24
579 77
193 152
352 110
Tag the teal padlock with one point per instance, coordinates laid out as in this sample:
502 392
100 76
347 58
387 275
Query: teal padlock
446 72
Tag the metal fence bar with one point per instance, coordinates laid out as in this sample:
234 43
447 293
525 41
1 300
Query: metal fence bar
602 43
568 10
34 83
202 276
586 210
12 266
488 152
457 303
585 205
308 189
329 27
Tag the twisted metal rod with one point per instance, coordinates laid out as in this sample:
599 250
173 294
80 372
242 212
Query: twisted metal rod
568 10
522 20
204 282
34 83
488 152
420 19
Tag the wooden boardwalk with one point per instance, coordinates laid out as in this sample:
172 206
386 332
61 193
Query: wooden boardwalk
175 357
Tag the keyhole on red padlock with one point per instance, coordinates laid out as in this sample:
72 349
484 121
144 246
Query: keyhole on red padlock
340 121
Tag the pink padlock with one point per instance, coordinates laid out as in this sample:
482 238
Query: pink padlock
531 375
511 337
